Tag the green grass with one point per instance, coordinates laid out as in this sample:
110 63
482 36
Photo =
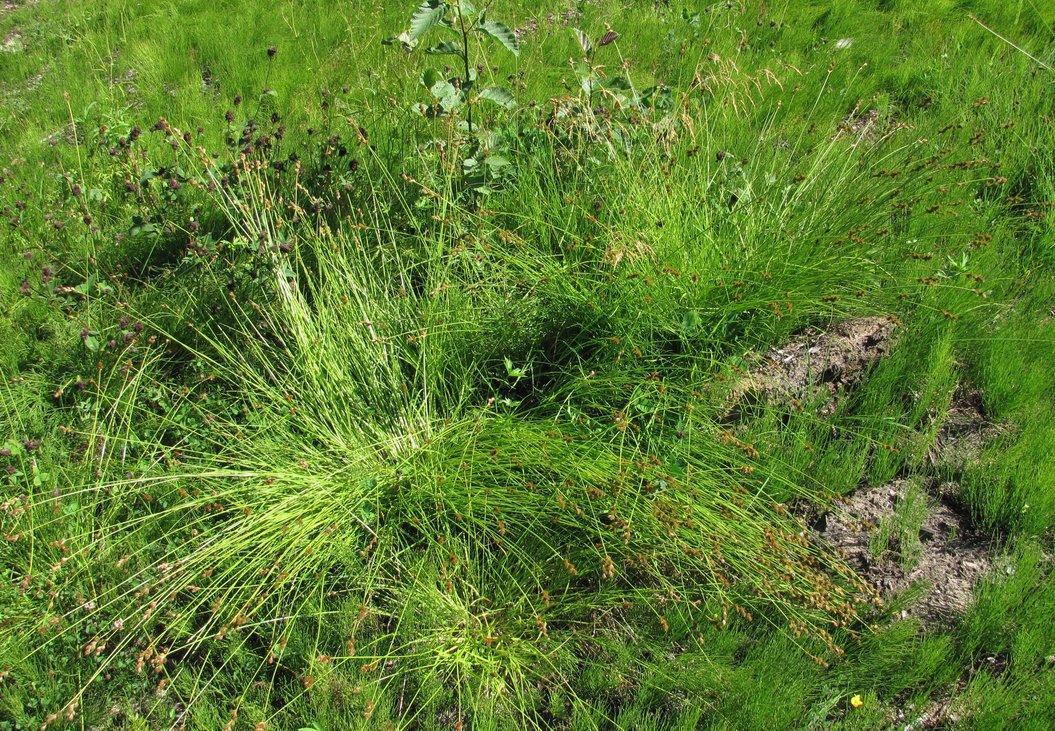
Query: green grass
300 430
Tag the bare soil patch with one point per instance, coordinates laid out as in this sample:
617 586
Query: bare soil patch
817 365
13 42
964 433
946 558
862 123
910 534
8 6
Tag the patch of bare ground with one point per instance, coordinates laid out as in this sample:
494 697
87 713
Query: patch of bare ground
816 364
563 18
13 42
941 714
869 125
9 6
937 551
941 555
912 538
964 432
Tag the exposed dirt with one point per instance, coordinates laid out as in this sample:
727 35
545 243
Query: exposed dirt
526 28
945 713
965 431
861 123
914 531
945 555
817 365
12 43
869 125
8 6
563 18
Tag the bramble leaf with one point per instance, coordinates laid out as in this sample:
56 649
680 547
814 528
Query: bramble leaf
445 48
501 33
428 14
499 96
584 40
429 78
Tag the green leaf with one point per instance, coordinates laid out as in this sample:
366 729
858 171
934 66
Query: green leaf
446 95
403 39
429 78
445 48
691 323
86 286
442 90
513 371
499 96
641 403
428 14
658 97
497 163
501 33
583 39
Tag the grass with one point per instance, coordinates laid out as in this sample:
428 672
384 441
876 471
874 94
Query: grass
307 426
900 532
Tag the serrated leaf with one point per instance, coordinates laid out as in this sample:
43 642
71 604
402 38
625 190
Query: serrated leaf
499 96
501 33
428 14
446 94
429 77
497 163
445 48
583 39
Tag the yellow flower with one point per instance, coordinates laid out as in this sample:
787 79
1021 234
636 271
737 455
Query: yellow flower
856 701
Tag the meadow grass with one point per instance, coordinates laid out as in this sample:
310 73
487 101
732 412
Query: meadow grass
308 425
